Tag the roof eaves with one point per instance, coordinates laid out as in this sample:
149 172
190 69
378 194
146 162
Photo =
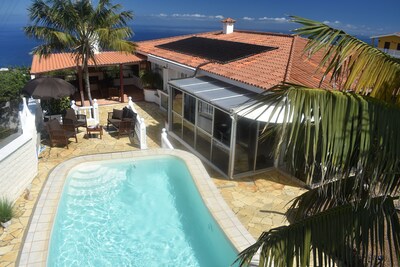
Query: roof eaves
386 35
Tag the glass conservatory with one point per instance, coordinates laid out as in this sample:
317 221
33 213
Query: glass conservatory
202 114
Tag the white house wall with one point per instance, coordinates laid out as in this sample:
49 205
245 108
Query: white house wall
18 159
170 70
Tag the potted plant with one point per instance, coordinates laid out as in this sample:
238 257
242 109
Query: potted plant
55 108
151 81
6 212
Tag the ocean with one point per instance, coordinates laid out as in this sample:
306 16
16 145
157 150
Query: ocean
15 47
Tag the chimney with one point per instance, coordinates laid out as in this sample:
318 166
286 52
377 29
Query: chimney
227 25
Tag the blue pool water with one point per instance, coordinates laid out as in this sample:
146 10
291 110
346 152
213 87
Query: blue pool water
135 213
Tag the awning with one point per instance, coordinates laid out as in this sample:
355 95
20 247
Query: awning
230 98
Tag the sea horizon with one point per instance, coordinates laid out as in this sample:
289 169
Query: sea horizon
16 47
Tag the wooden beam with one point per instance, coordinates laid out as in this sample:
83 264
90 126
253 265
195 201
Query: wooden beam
121 83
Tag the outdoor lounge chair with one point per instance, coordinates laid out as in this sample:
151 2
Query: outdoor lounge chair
59 134
123 120
78 120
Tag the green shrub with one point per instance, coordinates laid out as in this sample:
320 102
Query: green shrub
6 210
11 83
56 106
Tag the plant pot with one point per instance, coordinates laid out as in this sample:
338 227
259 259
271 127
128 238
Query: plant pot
6 224
150 95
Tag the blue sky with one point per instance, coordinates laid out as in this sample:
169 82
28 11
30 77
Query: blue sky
364 18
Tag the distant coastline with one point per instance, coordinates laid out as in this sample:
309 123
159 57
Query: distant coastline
15 47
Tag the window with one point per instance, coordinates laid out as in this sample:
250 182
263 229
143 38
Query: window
205 108
158 69
222 127
189 108
204 116
176 100
398 46
387 45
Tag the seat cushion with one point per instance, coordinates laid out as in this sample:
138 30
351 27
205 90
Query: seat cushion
129 114
125 112
114 122
70 114
117 114
54 124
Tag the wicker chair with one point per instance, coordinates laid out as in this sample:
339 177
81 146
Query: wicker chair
78 120
123 120
59 134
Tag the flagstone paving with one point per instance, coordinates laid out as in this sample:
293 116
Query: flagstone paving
259 201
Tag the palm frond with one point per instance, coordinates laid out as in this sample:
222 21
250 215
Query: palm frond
328 196
342 236
73 26
363 68
330 135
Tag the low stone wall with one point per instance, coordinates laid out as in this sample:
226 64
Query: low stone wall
18 159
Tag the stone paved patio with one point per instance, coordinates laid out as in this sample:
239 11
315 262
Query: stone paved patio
258 201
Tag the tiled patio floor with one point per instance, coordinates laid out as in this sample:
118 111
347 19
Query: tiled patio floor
258 201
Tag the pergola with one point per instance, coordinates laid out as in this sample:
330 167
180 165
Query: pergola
63 61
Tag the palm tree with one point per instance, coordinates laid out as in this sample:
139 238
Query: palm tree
79 28
345 144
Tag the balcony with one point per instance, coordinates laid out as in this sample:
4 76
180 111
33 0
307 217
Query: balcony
391 52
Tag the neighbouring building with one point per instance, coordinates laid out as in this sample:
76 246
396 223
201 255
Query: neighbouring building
388 43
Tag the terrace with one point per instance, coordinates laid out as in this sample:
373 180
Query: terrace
259 201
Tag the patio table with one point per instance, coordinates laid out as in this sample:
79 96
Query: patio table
95 129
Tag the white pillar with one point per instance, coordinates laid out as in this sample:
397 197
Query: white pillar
96 112
143 137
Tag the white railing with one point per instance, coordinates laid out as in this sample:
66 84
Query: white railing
165 143
392 52
91 112
140 127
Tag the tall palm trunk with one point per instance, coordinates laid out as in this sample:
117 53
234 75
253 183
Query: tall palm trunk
87 81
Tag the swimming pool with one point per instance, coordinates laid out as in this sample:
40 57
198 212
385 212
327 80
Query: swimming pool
37 250
135 213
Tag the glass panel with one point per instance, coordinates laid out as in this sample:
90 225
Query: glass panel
222 127
164 101
204 116
177 101
10 124
189 108
188 133
246 140
203 143
176 124
220 156
265 150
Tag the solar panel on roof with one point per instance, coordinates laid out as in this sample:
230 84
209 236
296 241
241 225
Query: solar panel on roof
216 50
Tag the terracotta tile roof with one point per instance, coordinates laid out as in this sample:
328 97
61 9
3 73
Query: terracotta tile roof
262 70
304 70
66 61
